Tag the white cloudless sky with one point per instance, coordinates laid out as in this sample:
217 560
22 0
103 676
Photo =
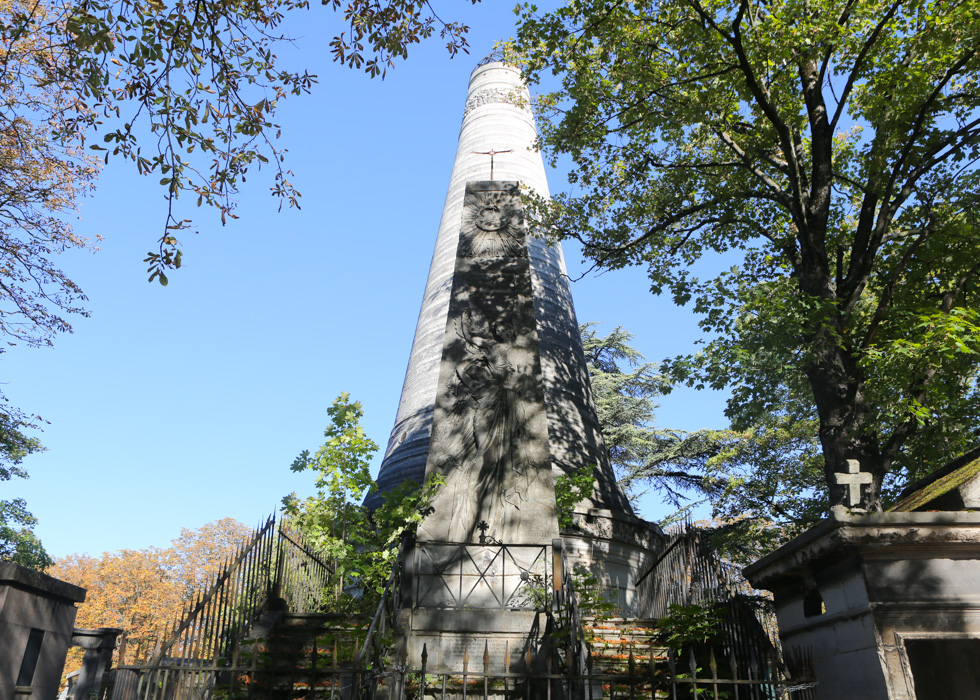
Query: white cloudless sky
173 407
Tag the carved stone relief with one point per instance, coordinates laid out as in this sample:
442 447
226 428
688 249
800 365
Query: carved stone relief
492 226
489 434
491 95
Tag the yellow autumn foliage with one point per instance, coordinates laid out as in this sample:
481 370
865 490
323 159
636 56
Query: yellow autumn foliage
144 591
45 171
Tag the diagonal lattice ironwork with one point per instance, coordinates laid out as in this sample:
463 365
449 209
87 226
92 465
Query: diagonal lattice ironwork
453 574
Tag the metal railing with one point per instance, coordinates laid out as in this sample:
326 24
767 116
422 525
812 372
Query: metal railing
689 572
207 656
702 672
274 568
467 575
690 672
376 653
568 622
302 576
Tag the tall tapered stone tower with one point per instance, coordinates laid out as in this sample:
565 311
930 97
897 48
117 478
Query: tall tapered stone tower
495 160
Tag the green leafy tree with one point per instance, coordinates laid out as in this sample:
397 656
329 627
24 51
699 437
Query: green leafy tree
769 487
571 489
18 543
625 389
763 484
805 176
333 518
187 90
685 625
184 90
362 545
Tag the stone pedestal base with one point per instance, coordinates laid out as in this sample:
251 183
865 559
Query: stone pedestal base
467 599
451 636
617 549
885 605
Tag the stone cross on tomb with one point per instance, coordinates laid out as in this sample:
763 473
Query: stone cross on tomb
853 480
492 153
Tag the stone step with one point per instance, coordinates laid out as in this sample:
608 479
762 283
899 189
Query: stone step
612 640
295 657
325 620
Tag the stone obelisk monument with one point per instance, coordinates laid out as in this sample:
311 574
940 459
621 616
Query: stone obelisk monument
497 399
496 118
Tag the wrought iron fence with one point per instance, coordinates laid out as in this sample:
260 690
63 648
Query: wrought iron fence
197 655
568 619
302 576
694 671
378 640
702 672
467 575
690 572
207 656
485 575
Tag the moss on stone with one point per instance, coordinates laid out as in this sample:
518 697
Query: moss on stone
937 488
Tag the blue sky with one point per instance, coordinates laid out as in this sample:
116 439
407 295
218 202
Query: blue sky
172 407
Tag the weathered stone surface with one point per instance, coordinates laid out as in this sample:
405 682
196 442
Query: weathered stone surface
99 645
617 549
490 432
497 399
37 614
497 118
466 599
482 556
887 604
480 576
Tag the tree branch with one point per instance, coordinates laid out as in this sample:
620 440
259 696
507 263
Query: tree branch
859 61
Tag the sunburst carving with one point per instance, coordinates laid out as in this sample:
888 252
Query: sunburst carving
492 226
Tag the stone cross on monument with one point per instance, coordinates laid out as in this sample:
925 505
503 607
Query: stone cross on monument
853 479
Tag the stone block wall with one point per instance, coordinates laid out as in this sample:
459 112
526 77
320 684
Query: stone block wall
887 605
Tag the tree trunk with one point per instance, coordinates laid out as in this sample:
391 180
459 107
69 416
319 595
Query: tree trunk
846 433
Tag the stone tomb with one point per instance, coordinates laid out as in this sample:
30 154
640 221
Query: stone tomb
886 605
37 615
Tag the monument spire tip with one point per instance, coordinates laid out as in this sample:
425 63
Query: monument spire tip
498 55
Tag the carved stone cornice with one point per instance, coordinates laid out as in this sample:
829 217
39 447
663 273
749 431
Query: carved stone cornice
491 96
